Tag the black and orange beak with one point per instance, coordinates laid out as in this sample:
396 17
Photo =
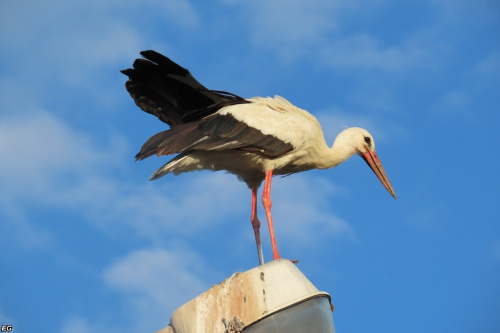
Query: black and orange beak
373 161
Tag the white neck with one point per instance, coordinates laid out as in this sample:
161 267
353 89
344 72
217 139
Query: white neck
341 151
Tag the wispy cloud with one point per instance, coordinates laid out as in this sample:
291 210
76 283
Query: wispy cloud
363 51
489 65
150 283
44 161
292 28
77 42
464 97
158 274
317 30
303 211
78 324
42 151
453 104
55 166
193 205
496 250
21 230
5 318
155 282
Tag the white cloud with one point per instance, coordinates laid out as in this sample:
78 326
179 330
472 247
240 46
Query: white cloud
292 27
76 324
5 319
315 29
155 282
75 41
161 208
364 51
158 274
49 164
41 150
44 160
151 283
467 91
302 210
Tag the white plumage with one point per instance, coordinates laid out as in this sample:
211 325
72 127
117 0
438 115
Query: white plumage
252 138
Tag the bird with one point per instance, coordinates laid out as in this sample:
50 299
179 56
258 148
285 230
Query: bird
253 138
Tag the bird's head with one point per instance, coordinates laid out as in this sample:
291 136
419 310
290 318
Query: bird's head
363 144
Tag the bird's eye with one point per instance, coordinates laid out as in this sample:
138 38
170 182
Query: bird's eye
368 140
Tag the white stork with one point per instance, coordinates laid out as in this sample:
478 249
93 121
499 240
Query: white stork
253 138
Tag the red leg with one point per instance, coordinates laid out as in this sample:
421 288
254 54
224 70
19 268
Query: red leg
266 201
256 226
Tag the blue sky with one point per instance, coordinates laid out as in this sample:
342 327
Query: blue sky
88 244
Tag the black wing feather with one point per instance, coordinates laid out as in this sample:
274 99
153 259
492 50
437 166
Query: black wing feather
217 132
161 87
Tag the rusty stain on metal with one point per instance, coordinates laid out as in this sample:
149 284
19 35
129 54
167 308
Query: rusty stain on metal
244 297
234 325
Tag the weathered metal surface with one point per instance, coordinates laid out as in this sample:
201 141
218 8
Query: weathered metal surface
243 299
